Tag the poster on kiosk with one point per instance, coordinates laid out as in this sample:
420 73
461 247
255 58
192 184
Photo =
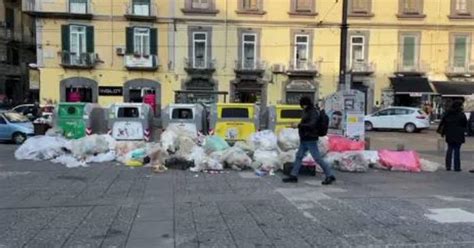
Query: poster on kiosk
345 110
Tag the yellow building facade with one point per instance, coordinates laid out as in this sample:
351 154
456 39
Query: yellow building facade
247 50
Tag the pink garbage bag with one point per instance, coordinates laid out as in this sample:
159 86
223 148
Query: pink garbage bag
342 144
400 161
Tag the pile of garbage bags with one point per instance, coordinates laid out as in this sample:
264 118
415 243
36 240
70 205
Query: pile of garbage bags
263 152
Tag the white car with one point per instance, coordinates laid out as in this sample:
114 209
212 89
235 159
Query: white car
402 118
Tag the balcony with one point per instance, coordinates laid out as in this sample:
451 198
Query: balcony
199 65
303 68
141 62
417 69
460 71
64 10
146 13
78 61
362 68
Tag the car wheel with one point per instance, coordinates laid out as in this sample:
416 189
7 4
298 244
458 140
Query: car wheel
368 126
19 138
410 128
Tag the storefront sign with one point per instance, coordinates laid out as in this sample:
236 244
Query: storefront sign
110 91
416 94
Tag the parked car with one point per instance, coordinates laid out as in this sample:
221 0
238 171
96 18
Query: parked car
15 127
400 118
28 109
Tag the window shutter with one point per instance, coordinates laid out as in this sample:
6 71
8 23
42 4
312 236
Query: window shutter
65 37
153 41
90 39
129 41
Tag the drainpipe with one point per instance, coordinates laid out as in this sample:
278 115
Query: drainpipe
226 32
112 31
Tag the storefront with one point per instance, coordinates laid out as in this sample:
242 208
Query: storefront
411 91
200 89
143 90
297 88
78 89
450 91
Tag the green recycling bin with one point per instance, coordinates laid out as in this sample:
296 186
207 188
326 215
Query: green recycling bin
71 118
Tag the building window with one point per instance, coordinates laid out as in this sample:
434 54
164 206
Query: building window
199 50
461 8
303 5
301 51
360 6
9 18
357 49
200 4
141 44
409 51
250 5
249 50
411 9
460 51
141 7
78 45
78 6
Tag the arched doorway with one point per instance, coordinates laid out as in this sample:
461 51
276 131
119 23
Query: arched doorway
140 90
78 89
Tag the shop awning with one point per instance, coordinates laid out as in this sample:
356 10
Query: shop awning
452 89
411 85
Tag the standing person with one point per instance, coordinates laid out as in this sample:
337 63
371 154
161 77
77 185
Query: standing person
308 132
453 128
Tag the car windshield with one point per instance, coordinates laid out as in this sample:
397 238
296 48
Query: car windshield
15 117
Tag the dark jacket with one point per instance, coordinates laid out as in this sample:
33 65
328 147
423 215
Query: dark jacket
307 128
453 127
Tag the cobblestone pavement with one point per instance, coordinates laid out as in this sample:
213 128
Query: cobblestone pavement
108 205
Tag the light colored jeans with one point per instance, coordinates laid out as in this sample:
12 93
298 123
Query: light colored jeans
312 147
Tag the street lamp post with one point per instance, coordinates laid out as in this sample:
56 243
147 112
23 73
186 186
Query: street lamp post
344 78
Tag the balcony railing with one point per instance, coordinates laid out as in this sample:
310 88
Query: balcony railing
134 12
200 64
66 9
250 65
460 70
141 62
416 68
82 60
363 67
303 65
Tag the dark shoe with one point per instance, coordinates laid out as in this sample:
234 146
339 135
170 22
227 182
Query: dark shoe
471 171
457 170
290 179
448 169
328 180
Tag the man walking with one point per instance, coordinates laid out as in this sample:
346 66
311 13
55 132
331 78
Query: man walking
308 132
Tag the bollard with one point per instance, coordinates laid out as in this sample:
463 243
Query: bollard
400 147
367 143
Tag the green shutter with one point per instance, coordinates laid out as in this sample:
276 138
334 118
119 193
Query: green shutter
153 41
65 37
409 50
129 41
90 39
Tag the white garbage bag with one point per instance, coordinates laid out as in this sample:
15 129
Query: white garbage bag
372 157
288 139
90 145
429 166
264 140
288 156
352 162
268 159
69 161
158 155
42 148
236 158
245 146
123 148
169 140
102 157
202 161
323 145
185 146
55 131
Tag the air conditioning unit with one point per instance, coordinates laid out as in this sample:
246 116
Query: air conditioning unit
120 51
278 68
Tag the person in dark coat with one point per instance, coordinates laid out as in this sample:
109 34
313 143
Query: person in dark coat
308 132
453 128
